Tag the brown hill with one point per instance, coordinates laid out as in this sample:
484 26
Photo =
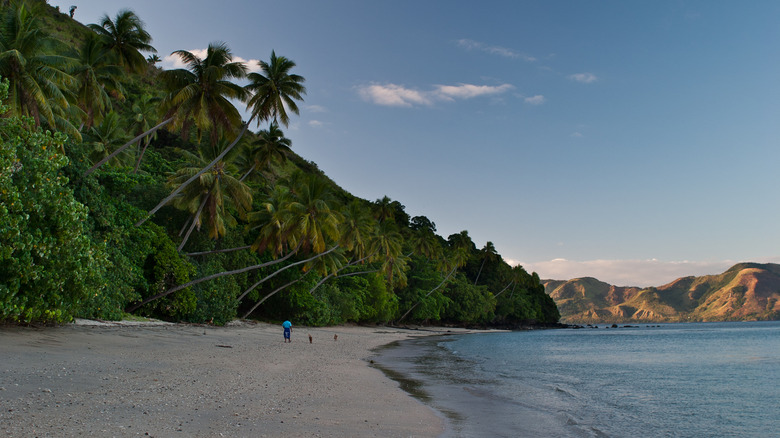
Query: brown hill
747 291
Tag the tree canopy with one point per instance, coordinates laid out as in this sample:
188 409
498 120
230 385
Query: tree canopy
239 225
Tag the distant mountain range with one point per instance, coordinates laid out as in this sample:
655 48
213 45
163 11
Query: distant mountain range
747 291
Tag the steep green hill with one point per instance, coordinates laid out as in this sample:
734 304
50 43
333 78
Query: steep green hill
177 227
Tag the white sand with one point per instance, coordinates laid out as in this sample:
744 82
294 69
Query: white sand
198 381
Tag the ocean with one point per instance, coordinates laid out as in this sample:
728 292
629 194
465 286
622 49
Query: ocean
667 380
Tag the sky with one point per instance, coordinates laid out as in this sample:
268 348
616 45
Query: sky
635 142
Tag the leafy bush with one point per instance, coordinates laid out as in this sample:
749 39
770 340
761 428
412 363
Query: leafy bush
48 264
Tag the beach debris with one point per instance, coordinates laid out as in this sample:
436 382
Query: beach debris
310 340
335 337
225 346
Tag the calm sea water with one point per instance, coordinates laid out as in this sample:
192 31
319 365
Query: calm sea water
672 380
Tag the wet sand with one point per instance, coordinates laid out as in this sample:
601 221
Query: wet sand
93 379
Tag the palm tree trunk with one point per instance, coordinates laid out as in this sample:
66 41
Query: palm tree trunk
270 295
504 289
248 172
480 270
194 221
194 177
319 283
429 293
184 227
211 277
123 147
268 277
238 248
141 155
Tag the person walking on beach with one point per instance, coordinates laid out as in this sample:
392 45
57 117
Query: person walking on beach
287 325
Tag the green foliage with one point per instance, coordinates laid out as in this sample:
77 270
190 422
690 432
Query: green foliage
215 301
69 245
470 304
48 265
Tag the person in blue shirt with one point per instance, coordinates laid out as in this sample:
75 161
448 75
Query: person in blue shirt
287 325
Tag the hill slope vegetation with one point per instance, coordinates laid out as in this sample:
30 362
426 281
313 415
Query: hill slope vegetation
125 187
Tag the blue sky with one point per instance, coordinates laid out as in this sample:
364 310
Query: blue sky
636 142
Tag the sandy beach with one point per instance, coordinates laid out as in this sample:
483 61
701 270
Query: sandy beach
162 380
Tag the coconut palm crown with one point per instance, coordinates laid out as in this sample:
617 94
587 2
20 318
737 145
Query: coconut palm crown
274 89
201 93
126 38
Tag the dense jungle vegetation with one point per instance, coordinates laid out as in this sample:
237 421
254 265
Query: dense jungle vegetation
126 188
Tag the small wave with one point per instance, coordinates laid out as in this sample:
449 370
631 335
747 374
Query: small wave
563 391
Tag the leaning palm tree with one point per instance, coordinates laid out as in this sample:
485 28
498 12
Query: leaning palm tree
287 88
387 243
271 146
274 89
38 78
210 199
460 246
202 95
106 136
309 224
489 254
126 38
358 231
314 221
144 111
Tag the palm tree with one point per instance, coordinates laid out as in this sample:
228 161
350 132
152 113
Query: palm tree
489 253
275 89
271 146
144 111
386 242
301 217
201 94
383 209
460 246
210 198
357 228
313 222
126 38
358 231
94 75
38 78
307 222
424 242
279 87
105 137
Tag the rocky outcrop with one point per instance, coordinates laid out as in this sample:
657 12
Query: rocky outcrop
747 291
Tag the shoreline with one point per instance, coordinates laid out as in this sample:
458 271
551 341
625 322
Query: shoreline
162 379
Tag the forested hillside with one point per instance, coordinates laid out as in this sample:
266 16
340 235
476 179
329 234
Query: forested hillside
128 188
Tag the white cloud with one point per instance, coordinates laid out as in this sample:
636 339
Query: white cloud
585 78
398 95
316 123
393 95
576 134
468 91
316 108
535 100
252 65
493 50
